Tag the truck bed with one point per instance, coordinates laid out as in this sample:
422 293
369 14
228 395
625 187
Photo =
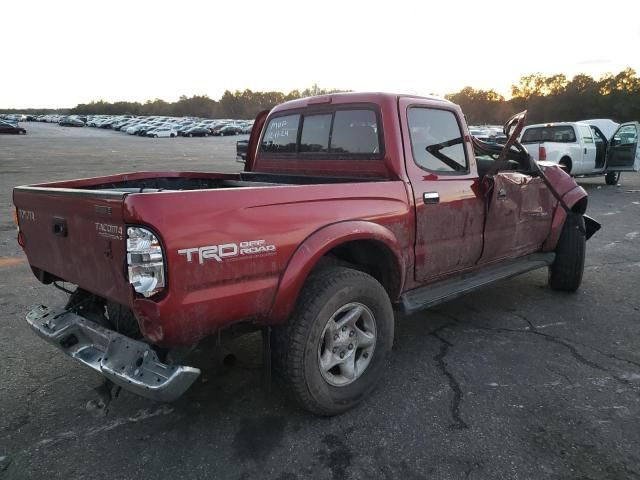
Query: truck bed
76 231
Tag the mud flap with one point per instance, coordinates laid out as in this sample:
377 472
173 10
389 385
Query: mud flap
591 226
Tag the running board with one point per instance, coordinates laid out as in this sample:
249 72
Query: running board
445 290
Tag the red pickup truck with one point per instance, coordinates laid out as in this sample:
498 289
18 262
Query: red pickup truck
349 205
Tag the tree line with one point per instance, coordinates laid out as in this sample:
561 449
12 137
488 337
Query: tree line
547 98
556 98
239 104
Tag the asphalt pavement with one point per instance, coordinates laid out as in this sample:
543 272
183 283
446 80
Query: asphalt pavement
515 381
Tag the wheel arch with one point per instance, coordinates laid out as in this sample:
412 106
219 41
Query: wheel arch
566 159
577 200
363 245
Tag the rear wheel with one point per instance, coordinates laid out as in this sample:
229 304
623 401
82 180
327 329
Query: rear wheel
612 178
191 134
566 271
332 352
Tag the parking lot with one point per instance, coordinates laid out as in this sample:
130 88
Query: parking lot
515 381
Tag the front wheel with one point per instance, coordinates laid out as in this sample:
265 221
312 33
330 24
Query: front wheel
332 352
612 178
566 271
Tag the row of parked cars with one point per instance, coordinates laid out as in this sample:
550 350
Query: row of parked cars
151 126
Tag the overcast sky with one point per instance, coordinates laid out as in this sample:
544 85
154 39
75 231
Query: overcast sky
61 53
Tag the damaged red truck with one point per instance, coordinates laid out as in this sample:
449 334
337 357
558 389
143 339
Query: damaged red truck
349 205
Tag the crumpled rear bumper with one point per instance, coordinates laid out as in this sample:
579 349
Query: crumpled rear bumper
129 363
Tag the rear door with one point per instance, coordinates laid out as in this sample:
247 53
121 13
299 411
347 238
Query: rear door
449 203
589 150
623 154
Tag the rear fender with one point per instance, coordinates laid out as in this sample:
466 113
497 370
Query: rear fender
314 247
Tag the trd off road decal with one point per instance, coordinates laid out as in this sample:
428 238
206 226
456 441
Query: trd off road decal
219 253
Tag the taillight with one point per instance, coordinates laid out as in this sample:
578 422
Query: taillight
20 235
145 260
542 153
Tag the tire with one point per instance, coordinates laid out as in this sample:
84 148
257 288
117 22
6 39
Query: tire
206 134
155 136
172 135
222 134
612 178
565 273
329 296
191 134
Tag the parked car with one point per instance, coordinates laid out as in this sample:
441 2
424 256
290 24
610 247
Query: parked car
584 150
7 127
227 130
196 132
71 122
313 255
162 132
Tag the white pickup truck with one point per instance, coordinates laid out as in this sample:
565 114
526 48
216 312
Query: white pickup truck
582 148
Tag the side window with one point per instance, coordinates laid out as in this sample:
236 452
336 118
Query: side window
355 131
531 135
625 135
281 135
586 133
436 140
315 133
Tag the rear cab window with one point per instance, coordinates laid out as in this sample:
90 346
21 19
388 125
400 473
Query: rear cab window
330 133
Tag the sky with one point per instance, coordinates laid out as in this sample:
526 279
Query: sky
60 53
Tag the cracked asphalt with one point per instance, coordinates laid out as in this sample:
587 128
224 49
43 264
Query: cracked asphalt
512 382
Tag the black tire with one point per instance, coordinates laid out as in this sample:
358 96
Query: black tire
191 134
612 178
565 273
296 345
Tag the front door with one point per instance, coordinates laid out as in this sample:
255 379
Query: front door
519 213
448 203
623 154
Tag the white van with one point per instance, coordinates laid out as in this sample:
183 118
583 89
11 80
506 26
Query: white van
583 149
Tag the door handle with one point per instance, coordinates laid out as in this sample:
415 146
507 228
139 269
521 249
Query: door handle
502 194
431 197
585 150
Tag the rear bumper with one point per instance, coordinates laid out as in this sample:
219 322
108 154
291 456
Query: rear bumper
129 363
